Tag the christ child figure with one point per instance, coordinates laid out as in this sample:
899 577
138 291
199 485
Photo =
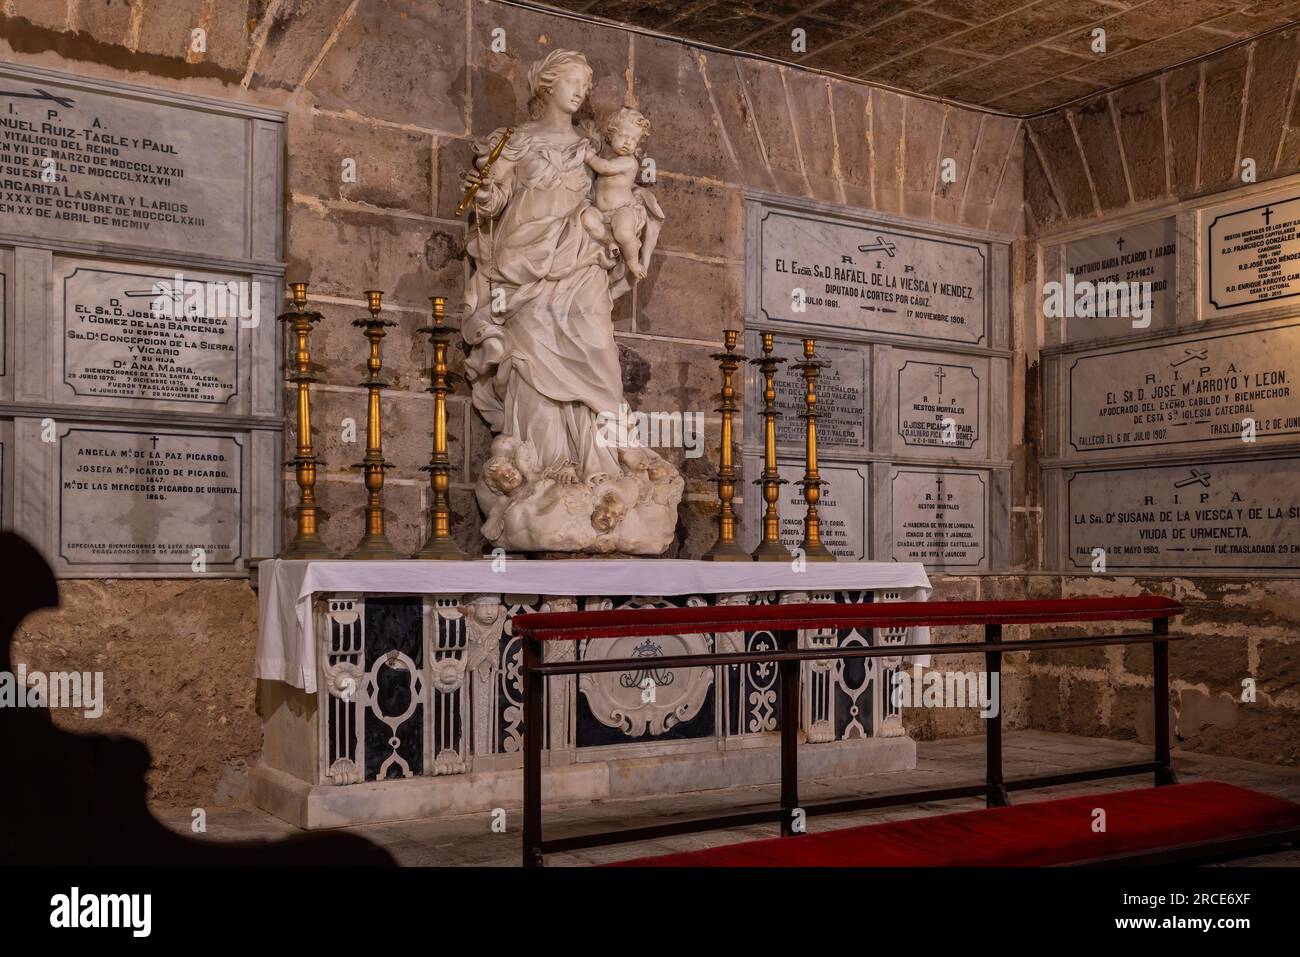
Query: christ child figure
620 204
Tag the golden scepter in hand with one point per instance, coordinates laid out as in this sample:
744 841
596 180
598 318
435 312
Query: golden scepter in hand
484 170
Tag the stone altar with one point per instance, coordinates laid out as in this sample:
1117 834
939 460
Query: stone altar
390 690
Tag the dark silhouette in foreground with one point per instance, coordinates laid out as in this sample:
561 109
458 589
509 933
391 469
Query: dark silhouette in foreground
78 799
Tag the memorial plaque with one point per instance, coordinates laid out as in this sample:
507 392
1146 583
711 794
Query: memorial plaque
83 162
1216 515
940 517
1252 254
1141 254
150 498
132 334
1202 390
939 404
842 389
824 272
842 509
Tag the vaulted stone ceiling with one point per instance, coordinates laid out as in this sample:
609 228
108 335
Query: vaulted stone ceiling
1020 56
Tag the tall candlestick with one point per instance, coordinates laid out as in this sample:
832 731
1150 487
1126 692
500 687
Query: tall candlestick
306 543
770 548
374 542
813 548
440 544
726 548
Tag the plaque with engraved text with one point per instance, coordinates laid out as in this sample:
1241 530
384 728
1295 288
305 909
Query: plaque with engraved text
823 272
1198 516
150 498
940 517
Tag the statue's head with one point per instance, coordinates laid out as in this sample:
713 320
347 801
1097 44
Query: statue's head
625 130
562 78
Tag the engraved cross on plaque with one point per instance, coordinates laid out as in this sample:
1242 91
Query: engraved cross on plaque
154 440
1120 243
940 375
1268 215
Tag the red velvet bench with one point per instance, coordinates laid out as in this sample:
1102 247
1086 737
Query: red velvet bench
1148 825
1169 822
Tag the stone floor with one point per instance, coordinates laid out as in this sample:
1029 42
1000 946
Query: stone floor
469 839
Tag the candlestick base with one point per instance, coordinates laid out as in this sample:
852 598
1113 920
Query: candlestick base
726 552
817 552
440 549
307 548
375 548
772 552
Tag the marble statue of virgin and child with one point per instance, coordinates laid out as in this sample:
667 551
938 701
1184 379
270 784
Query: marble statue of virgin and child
561 229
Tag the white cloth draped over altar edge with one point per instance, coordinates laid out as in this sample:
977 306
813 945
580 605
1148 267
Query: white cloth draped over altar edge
286 645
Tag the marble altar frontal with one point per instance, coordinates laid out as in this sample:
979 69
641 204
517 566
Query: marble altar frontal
145 246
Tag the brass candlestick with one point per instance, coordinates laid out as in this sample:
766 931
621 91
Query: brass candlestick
814 549
374 543
306 544
726 548
440 544
770 548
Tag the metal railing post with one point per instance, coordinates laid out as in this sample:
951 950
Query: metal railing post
995 790
534 691
789 672
1160 679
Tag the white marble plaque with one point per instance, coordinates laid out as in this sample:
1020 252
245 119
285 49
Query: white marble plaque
1203 390
939 402
940 517
823 272
1252 254
842 510
842 390
1215 515
149 498
87 163
1146 253
152 335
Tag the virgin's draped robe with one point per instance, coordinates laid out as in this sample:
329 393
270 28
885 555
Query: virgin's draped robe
543 365
544 362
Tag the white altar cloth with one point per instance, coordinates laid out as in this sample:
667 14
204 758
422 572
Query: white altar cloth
286 644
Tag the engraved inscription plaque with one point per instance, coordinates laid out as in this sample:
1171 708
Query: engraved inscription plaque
842 389
1252 254
149 498
822 272
86 164
939 402
1203 390
842 510
1138 254
134 334
940 517
1215 515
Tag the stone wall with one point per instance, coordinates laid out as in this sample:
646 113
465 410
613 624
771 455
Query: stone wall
1146 147
401 87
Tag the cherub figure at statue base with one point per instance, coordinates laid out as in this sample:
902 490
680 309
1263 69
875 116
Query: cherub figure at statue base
529 509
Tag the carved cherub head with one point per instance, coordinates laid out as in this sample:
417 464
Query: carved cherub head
625 131
608 513
563 76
